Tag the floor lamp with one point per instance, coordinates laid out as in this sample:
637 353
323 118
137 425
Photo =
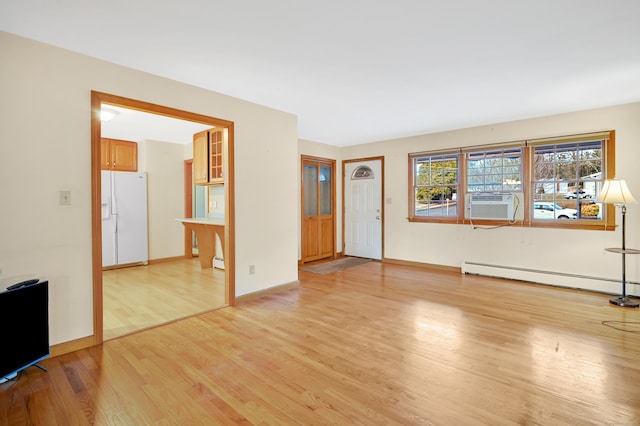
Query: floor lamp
615 191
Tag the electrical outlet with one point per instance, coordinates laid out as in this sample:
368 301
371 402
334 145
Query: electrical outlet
252 269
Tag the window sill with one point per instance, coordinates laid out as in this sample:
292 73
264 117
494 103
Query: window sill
561 224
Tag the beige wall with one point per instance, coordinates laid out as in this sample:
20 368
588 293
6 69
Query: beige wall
45 148
557 250
164 165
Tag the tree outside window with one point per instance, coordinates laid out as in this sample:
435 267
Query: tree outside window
436 185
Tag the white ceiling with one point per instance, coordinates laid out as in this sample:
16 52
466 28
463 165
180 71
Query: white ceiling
132 125
360 71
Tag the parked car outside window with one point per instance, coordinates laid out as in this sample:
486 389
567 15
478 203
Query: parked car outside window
548 210
577 194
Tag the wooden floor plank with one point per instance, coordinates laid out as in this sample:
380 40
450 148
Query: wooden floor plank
372 344
140 297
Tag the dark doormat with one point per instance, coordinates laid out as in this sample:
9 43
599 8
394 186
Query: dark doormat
335 265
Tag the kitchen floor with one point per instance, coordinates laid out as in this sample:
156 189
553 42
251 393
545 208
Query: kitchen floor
141 297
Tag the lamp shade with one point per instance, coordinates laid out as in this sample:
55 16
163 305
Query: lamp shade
615 191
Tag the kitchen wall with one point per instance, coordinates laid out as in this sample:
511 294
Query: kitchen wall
216 201
52 87
164 165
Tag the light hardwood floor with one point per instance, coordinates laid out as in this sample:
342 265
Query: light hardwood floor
373 344
140 297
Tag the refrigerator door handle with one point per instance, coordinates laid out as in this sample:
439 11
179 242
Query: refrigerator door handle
114 205
106 213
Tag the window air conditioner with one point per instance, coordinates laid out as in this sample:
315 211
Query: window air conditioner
491 206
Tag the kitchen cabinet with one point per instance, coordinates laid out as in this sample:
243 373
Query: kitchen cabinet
216 170
208 157
116 154
201 158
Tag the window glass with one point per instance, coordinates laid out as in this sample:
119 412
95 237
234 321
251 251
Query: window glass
362 172
568 175
310 190
494 170
325 190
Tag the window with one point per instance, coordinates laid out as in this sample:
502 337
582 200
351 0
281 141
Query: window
555 180
435 185
362 172
494 170
569 174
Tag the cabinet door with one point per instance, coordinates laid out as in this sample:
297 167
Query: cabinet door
105 154
124 155
201 158
216 174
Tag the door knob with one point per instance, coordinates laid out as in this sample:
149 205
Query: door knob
378 217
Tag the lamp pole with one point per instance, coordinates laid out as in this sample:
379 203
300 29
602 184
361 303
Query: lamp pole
624 255
623 300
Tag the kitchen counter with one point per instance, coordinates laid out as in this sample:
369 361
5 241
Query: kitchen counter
206 230
205 220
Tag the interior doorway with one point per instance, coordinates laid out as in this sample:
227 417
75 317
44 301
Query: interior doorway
97 100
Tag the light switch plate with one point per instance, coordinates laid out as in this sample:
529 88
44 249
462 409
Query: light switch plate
65 198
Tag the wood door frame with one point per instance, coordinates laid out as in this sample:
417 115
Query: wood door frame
382 200
188 206
332 163
98 98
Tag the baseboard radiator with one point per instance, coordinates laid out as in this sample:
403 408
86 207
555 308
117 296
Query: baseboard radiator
558 279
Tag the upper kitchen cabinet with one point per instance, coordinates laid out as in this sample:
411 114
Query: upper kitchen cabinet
201 158
208 158
216 172
118 155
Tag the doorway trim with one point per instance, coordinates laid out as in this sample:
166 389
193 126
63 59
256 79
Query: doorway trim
98 98
382 199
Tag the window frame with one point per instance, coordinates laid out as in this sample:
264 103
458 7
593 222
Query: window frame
606 222
413 217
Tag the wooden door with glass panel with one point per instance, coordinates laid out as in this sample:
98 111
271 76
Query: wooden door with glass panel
318 208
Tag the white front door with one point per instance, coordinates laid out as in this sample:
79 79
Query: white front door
363 209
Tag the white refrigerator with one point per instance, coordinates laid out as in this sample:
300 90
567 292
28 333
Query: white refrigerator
124 218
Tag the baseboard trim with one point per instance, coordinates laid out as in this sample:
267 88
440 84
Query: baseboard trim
72 346
272 290
325 259
166 259
423 265
148 262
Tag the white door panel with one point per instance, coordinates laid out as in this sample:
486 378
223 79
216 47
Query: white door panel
131 198
108 222
363 209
